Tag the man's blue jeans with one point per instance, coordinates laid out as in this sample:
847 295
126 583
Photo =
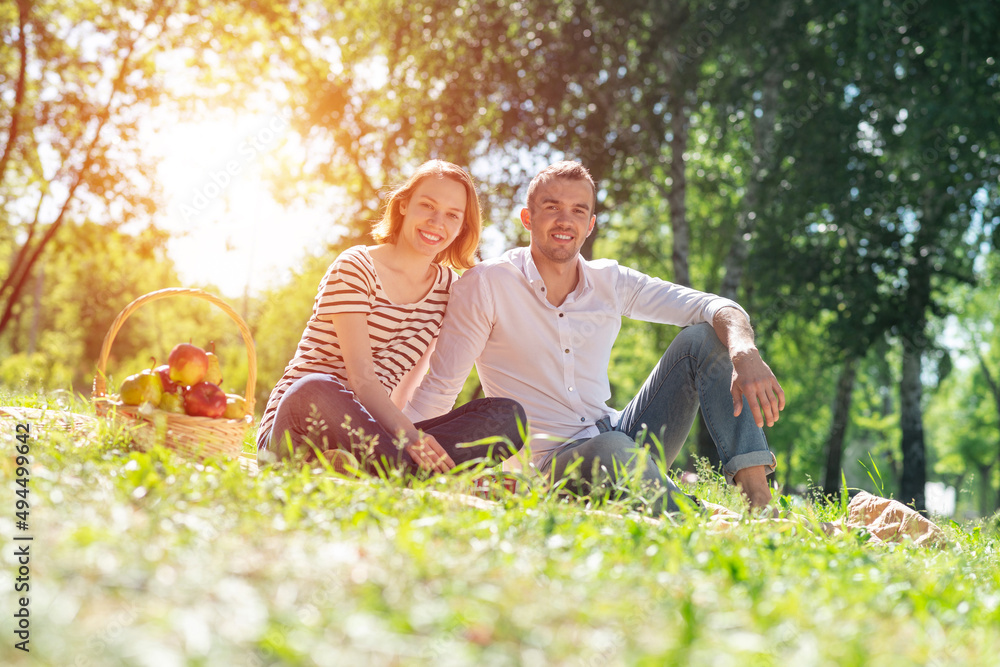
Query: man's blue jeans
695 370
318 410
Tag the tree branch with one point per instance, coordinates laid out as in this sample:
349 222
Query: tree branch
50 232
15 270
990 380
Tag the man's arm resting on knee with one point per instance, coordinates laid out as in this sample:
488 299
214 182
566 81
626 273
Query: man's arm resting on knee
752 377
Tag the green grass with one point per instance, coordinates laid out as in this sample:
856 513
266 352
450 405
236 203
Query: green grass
144 558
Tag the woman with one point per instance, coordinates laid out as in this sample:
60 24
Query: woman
369 339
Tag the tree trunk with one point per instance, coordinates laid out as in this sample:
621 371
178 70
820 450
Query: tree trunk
677 193
985 490
994 386
914 475
36 315
838 426
739 249
23 9
788 467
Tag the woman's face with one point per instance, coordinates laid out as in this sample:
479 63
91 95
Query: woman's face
433 215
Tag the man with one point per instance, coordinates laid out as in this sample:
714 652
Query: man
540 322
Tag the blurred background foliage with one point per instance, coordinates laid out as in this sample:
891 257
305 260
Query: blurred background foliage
831 165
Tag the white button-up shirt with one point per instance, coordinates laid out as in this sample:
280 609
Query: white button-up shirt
553 360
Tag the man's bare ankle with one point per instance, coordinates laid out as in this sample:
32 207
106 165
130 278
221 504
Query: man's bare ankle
753 485
758 500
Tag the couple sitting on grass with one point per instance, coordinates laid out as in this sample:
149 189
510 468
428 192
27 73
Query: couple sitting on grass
539 324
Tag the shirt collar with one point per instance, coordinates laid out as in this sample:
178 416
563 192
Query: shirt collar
525 263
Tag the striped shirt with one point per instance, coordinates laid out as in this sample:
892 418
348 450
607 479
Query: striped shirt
399 333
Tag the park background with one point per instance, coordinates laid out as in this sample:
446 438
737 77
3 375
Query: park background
833 166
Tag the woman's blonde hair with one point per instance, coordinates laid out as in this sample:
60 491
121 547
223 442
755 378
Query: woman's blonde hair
461 253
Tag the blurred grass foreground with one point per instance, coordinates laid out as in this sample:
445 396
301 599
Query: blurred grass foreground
145 558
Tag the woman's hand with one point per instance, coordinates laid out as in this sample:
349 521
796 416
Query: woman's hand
352 330
428 453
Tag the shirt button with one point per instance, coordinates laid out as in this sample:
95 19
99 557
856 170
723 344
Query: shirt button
571 388
583 419
567 350
560 314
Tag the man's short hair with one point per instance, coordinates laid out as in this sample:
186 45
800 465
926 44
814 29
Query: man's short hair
567 169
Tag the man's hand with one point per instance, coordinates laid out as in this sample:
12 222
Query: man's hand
430 455
753 379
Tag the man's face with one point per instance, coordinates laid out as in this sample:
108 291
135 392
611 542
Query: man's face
560 220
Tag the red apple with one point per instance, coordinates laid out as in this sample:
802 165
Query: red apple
169 386
204 399
188 364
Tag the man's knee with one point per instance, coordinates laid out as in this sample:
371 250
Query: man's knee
700 335
609 445
605 455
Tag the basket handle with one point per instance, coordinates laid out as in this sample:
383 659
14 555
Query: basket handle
100 380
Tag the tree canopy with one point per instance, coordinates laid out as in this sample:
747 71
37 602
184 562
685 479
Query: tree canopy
833 166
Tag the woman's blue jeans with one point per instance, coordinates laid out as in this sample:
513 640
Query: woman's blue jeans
694 371
319 412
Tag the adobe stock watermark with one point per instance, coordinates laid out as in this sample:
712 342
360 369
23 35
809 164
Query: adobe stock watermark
274 643
219 180
97 645
888 201
697 44
898 15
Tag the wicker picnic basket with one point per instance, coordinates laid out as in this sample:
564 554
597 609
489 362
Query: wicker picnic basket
195 437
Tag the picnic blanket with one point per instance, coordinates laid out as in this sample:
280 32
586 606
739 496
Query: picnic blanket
883 519
46 419
891 521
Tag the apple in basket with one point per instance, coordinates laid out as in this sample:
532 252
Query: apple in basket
169 386
204 399
188 364
172 402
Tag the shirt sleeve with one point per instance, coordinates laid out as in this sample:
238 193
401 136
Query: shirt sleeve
654 300
467 325
347 287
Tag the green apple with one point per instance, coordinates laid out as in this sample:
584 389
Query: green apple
172 402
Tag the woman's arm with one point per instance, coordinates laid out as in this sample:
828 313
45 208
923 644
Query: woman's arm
404 390
352 333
